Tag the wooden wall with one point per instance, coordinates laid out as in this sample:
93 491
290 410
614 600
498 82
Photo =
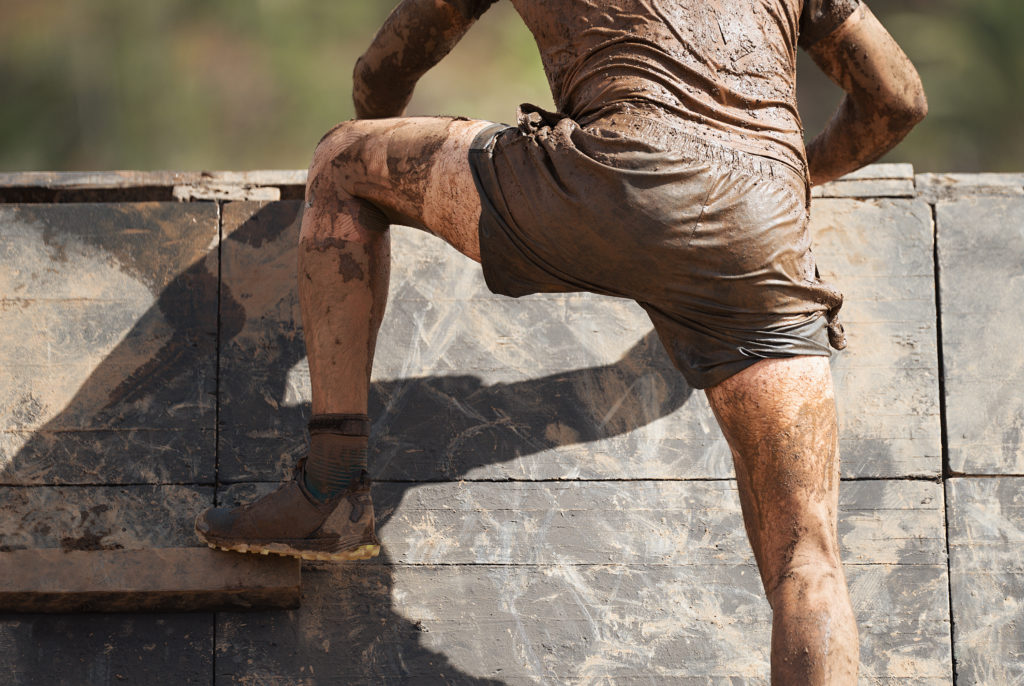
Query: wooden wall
556 504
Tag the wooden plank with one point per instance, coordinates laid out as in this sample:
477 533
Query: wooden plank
936 187
561 623
151 580
879 254
71 650
132 548
220 191
883 170
872 181
100 517
108 325
131 179
866 188
607 581
981 250
986 559
639 522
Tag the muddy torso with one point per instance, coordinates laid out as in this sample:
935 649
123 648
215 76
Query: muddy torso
724 70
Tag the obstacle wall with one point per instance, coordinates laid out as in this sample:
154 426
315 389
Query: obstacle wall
556 504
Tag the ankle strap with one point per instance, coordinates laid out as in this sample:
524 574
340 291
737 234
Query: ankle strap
345 424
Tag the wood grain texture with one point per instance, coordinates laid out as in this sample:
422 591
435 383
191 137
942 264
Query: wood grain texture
108 324
130 548
872 181
150 580
594 582
595 624
986 559
71 650
137 179
879 254
981 250
100 517
933 188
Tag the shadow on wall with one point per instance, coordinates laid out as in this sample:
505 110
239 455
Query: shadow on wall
146 412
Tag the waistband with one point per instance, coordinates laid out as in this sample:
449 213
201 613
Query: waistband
483 141
661 134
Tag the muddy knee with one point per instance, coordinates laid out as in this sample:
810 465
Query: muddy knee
814 580
345 158
333 211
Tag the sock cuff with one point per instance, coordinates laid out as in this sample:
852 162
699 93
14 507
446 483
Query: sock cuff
345 424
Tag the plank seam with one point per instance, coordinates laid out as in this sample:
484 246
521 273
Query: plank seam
218 484
110 484
746 563
943 433
216 417
698 479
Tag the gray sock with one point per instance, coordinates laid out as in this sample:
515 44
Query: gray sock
337 453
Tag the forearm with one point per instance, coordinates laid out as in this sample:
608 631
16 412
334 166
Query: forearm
415 36
884 97
857 134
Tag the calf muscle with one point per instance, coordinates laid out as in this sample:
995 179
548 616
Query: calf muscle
779 419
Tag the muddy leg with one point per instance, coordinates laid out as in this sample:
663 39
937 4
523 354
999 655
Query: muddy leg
779 419
344 268
365 175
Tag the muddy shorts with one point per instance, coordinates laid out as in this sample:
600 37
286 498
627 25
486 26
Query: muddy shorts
711 242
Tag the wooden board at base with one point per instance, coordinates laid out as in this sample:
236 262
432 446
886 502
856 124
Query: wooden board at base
159 579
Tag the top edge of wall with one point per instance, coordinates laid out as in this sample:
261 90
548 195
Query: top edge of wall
873 181
141 186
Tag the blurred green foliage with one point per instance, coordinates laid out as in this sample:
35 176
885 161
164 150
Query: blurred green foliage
184 84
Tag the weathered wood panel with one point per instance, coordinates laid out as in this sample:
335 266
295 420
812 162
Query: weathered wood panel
873 181
879 253
986 559
152 580
100 517
642 522
555 623
981 253
472 385
130 548
146 179
108 322
595 582
72 650
935 187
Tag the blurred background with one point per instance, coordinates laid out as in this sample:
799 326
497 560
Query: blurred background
247 84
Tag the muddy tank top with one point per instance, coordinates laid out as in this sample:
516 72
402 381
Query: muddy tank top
724 70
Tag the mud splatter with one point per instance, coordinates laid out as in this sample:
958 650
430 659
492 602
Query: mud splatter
349 269
89 541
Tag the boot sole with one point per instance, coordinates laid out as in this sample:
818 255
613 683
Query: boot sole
363 552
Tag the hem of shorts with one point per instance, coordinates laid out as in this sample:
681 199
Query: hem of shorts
481 150
729 369
493 231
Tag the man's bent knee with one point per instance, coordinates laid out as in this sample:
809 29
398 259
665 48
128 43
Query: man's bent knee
332 211
334 163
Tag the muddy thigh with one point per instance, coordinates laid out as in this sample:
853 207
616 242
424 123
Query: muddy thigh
779 419
414 170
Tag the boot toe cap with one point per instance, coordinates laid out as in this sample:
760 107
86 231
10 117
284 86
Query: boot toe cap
214 520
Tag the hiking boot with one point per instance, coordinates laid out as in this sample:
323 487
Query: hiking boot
289 521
